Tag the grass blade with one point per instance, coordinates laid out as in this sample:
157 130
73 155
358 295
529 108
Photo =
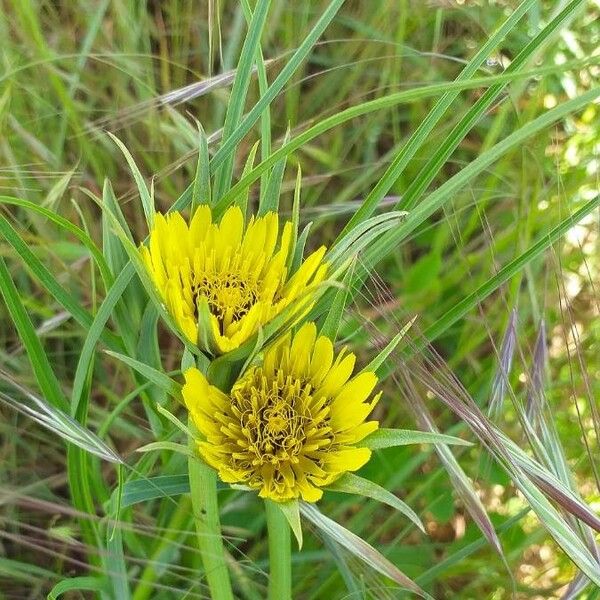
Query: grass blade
238 97
45 377
359 548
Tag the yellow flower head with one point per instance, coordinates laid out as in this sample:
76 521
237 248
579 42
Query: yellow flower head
290 426
238 274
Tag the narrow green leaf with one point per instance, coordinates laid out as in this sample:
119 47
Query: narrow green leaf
22 571
291 510
90 584
201 193
145 197
335 312
299 249
170 446
359 548
551 519
374 365
370 106
224 169
428 172
410 148
242 200
505 273
390 240
296 223
72 305
389 438
163 486
263 84
171 417
78 405
66 225
269 202
350 483
45 377
227 148
162 380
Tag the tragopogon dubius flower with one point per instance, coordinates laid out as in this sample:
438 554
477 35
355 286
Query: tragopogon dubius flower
239 274
289 426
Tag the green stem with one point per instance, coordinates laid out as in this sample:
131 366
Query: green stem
176 529
280 553
203 488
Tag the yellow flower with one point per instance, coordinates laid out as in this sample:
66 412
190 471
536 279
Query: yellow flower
240 274
289 426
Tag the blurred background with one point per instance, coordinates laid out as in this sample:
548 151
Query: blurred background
145 70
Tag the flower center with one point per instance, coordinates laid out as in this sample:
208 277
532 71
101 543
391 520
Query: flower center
274 415
229 295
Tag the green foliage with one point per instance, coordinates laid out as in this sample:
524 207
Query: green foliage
446 155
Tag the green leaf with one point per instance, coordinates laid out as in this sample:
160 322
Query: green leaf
242 200
269 202
350 483
374 365
423 132
295 225
78 407
299 249
162 380
66 225
201 193
171 417
505 273
370 106
90 584
169 446
386 243
72 305
263 84
44 375
291 510
163 486
359 548
238 98
362 236
427 174
22 571
225 152
335 313
389 438
145 197
552 520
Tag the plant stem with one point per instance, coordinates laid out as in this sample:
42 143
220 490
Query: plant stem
203 488
176 528
280 557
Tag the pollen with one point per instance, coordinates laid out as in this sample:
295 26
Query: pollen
240 272
291 424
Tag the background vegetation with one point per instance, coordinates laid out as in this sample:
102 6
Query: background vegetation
146 71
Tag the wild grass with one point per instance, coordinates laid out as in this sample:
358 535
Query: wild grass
477 122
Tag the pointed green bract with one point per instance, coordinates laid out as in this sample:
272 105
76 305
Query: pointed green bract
350 483
145 196
389 438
